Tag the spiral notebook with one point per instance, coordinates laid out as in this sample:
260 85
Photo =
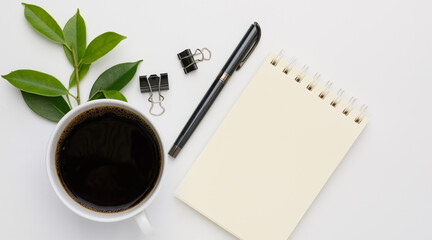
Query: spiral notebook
273 153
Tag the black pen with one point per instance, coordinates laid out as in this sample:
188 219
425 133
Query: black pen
242 52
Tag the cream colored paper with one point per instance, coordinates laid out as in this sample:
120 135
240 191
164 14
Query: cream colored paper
271 155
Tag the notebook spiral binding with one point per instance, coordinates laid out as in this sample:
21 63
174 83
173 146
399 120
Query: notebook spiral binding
346 111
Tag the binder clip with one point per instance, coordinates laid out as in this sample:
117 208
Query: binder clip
188 62
154 83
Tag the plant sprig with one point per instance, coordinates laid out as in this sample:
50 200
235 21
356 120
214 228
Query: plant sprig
45 94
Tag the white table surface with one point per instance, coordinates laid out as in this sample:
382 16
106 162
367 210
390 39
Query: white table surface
379 51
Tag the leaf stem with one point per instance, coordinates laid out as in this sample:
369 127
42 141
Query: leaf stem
76 75
69 102
76 98
94 94
67 46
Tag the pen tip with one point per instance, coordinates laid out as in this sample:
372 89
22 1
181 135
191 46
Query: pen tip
174 151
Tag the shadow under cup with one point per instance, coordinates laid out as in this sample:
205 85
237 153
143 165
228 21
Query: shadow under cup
108 159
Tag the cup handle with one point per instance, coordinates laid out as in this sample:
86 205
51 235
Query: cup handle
144 223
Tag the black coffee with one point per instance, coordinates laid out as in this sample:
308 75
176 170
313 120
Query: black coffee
108 159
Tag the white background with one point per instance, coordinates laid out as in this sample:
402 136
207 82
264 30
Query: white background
379 51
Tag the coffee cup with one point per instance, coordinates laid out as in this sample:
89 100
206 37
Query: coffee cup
105 162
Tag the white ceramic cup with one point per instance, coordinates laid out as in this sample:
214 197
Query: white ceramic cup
137 211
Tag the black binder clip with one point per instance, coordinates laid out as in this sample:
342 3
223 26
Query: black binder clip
154 83
187 59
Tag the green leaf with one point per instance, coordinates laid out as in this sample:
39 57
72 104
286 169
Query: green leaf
36 82
40 20
115 78
101 45
75 37
83 69
51 108
113 94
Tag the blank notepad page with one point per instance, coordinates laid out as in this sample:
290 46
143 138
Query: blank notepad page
272 154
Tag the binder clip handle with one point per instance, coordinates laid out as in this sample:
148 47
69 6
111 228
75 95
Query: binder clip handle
155 83
161 98
189 63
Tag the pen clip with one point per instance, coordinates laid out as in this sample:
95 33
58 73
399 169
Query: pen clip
252 48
